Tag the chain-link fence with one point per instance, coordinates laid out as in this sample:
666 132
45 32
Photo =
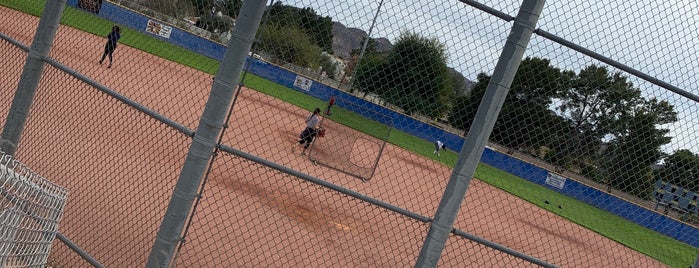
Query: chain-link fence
31 209
580 138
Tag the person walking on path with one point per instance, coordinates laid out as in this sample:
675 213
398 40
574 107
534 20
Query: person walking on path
311 130
112 39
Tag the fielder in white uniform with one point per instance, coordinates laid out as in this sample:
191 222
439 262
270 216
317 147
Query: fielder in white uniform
438 146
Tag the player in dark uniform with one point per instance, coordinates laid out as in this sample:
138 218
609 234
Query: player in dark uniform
112 39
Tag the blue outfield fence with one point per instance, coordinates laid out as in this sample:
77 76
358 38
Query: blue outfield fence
126 17
600 199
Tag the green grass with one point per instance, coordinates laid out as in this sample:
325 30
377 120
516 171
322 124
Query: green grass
641 239
29 7
673 253
93 24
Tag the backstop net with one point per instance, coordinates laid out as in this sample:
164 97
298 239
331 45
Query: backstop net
345 148
30 209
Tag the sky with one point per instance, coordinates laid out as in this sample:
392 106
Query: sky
659 38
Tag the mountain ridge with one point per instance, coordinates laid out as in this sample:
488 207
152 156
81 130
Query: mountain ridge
345 39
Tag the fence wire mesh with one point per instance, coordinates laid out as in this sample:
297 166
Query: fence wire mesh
592 160
342 148
31 208
256 207
121 164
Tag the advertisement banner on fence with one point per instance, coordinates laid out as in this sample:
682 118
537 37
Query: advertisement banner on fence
158 28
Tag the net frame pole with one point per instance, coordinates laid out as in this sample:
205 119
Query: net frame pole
383 145
474 144
364 45
31 75
205 138
381 142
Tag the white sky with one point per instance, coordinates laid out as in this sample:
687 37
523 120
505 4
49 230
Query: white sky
659 38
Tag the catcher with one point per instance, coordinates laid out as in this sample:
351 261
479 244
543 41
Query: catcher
311 131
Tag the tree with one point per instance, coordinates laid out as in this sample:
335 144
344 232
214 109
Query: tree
368 75
614 130
635 146
215 24
329 65
369 50
320 29
371 58
595 102
231 7
317 28
203 6
415 76
458 83
464 108
525 118
605 127
681 168
289 44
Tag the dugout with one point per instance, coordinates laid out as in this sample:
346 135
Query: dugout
675 197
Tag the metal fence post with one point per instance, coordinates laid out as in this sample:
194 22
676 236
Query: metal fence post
488 110
31 75
205 138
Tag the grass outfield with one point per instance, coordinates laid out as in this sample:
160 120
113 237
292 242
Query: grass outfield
673 253
641 239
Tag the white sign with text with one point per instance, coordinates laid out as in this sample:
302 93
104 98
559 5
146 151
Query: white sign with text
555 180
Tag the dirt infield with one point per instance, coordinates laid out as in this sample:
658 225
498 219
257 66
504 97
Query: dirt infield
121 166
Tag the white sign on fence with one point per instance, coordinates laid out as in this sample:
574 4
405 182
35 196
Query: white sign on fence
303 83
159 29
555 180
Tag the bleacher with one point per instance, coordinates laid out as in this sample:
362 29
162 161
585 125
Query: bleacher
676 198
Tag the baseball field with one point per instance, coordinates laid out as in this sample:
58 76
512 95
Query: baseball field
120 167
